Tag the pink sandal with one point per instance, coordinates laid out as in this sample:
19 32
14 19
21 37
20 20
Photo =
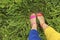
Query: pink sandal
32 16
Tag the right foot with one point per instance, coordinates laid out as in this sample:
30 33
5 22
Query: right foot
41 20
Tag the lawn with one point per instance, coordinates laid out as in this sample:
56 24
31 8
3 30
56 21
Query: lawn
15 21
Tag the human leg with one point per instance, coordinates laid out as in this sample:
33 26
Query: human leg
50 33
33 35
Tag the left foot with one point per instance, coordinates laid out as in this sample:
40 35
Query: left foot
33 21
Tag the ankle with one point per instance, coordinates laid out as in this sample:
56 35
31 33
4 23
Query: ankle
34 25
35 28
44 25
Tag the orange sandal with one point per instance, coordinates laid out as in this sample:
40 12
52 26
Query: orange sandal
39 14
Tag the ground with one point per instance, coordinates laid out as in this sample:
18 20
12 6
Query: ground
14 17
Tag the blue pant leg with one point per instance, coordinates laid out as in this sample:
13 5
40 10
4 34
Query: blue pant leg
34 35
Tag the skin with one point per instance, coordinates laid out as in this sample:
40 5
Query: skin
54 36
41 20
33 20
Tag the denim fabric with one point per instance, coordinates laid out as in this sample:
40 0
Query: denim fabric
34 35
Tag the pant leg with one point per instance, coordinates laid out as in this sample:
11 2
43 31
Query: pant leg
33 35
51 34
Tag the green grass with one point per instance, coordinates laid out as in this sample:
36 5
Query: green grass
14 17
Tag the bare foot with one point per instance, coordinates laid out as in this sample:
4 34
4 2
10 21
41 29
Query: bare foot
41 20
33 21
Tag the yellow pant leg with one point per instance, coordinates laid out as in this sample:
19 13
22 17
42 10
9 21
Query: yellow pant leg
51 34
